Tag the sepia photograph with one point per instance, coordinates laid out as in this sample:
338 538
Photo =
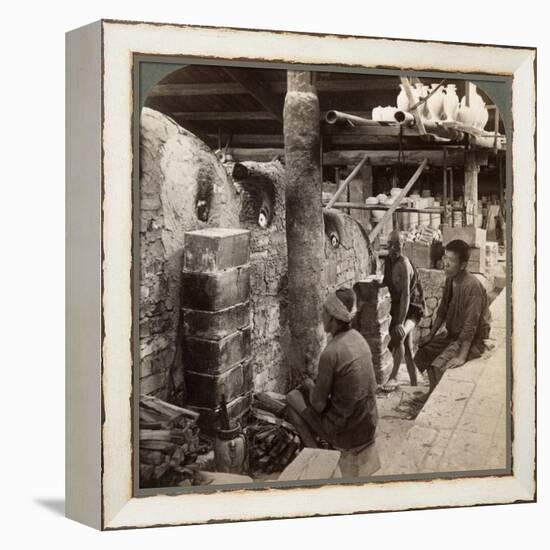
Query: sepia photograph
301 274
321 275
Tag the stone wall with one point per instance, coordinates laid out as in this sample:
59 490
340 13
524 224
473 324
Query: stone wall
183 186
262 195
349 256
351 260
433 281
373 322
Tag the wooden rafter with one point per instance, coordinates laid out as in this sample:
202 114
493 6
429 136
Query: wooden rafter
224 115
455 157
259 89
276 87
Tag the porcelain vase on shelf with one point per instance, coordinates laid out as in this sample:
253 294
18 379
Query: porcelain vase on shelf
435 103
420 91
425 112
480 113
450 102
388 113
482 118
465 114
403 100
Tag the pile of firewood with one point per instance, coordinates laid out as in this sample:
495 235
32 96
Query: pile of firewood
168 444
273 442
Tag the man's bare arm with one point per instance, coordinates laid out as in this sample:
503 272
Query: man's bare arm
405 287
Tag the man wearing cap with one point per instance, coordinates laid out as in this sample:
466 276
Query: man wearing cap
340 406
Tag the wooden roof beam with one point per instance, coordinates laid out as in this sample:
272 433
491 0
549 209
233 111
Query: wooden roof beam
259 89
363 86
455 157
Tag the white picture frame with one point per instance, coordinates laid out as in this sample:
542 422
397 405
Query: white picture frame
99 243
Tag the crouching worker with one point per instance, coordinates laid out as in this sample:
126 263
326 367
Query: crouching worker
465 312
340 406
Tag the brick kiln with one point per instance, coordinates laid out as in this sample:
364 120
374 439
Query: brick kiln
196 341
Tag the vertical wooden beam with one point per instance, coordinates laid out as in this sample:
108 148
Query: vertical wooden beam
445 201
471 171
497 121
348 193
469 91
304 224
366 176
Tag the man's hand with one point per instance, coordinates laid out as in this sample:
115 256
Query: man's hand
398 332
308 383
455 362
425 340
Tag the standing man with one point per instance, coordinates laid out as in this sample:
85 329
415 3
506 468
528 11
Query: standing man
407 307
465 312
340 406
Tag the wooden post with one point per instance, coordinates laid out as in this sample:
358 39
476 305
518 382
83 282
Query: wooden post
304 224
445 202
348 192
471 171
366 176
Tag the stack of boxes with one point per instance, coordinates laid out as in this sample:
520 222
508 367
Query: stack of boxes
216 322
373 322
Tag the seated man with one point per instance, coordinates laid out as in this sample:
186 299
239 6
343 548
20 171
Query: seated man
407 307
340 406
465 311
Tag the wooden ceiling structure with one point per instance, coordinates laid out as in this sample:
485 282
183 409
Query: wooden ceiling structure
243 108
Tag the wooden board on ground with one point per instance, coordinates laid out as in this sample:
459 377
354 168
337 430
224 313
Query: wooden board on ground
221 478
312 464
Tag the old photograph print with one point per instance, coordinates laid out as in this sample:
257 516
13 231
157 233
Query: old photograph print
321 284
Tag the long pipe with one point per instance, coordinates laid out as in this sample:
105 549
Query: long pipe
404 118
332 117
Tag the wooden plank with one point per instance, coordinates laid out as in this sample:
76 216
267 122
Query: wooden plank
261 154
259 89
366 86
362 206
373 234
224 115
348 141
312 464
346 182
367 130
197 89
455 157
252 139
